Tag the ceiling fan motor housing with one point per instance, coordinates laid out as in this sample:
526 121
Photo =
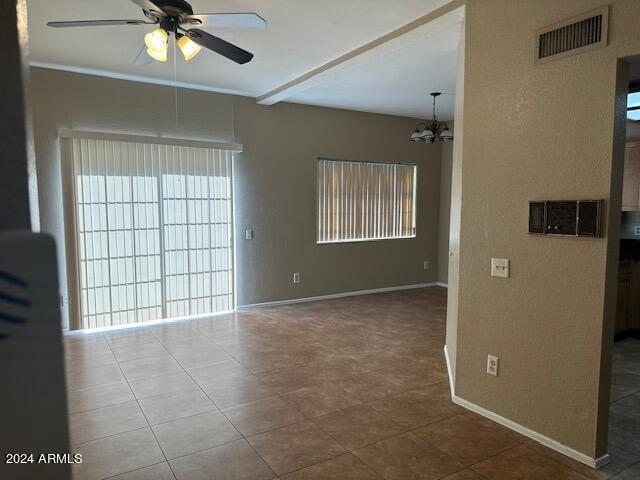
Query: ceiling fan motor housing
174 9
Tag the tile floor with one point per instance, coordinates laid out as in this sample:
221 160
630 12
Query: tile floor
352 389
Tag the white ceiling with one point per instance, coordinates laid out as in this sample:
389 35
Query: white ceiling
394 78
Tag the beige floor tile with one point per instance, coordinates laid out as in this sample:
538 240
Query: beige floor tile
194 434
295 446
286 380
467 474
90 376
200 356
87 359
469 438
355 427
522 463
344 467
405 457
416 408
316 400
232 391
117 454
209 373
105 421
164 384
98 396
268 360
150 367
233 461
127 353
130 337
620 459
369 386
164 408
161 471
262 415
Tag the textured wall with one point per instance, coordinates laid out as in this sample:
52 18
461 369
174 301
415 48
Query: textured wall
538 132
276 196
275 183
446 165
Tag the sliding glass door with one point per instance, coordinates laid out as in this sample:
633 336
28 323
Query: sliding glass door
153 231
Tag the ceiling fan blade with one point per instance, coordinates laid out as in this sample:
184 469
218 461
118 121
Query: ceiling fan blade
149 6
226 20
143 57
97 23
220 46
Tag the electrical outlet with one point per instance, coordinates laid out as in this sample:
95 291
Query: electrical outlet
248 234
500 267
636 229
425 265
296 278
492 365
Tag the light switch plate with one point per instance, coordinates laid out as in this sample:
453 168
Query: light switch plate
492 365
500 267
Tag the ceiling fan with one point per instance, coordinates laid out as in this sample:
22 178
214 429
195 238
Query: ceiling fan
177 17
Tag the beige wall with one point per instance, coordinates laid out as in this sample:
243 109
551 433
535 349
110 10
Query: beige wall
275 177
446 165
538 132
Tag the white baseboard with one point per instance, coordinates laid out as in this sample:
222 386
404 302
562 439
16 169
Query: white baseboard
527 432
449 373
442 284
336 295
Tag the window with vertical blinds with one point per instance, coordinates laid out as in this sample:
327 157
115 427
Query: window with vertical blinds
153 230
365 201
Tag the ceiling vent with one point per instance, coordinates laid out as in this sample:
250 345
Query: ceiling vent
576 35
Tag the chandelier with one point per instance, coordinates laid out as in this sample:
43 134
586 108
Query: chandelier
432 129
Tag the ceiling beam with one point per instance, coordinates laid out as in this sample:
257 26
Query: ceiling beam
286 90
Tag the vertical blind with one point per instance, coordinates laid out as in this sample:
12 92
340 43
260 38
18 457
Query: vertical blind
153 231
365 201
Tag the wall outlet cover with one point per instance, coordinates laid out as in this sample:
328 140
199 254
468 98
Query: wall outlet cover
425 265
500 267
636 229
248 234
296 278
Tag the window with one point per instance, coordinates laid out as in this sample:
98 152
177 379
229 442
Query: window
153 231
633 106
365 201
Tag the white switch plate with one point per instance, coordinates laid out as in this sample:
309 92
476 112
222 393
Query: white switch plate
500 267
636 230
296 278
492 365
248 234
425 265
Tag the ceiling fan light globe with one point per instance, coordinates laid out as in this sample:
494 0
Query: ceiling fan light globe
188 47
159 55
157 40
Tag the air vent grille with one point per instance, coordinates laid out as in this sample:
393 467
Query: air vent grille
573 36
